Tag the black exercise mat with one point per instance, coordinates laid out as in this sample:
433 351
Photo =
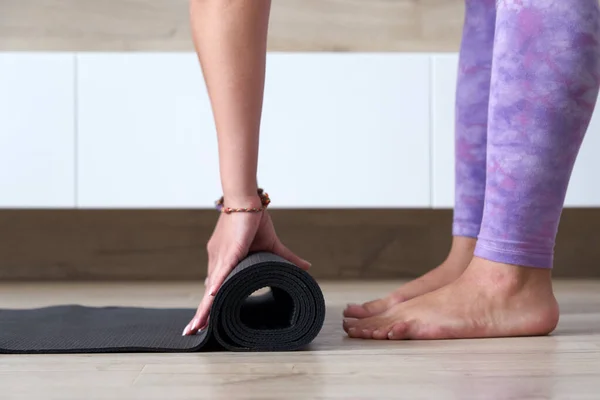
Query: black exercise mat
286 318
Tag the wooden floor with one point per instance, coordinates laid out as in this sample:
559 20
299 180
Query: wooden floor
565 365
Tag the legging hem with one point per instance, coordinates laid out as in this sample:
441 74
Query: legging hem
508 255
466 230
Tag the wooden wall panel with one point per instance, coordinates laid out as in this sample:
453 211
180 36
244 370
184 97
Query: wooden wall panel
296 25
169 244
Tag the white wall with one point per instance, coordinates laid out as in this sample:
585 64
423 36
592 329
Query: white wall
135 130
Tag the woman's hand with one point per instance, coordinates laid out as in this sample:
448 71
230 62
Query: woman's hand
236 235
231 40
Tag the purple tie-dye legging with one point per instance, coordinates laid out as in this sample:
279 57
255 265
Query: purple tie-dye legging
528 82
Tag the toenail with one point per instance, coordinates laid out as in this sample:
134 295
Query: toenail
366 332
376 332
352 331
391 335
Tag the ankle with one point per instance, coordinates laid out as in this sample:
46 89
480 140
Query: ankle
461 252
507 278
464 244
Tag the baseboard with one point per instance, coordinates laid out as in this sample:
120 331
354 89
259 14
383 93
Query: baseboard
92 245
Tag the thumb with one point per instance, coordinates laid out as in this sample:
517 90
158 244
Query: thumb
289 255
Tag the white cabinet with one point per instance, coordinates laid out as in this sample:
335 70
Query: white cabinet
582 192
37 133
339 130
135 130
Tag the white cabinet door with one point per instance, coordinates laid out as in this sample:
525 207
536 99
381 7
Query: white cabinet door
444 74
583 188
347 130
37 130
339 130
146 136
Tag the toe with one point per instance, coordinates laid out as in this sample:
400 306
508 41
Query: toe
380 333
355 311
356 328
366 333
368 309
349 323
398 331
365 328
354 333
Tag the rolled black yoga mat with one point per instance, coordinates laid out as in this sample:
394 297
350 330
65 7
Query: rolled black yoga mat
286 318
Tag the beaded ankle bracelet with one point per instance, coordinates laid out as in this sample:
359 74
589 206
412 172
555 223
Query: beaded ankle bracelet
264 199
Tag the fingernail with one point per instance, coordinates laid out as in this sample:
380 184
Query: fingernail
351 305
213 290
186 330
194 324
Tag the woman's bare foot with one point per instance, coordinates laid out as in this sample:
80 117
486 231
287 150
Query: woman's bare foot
488 300
457 261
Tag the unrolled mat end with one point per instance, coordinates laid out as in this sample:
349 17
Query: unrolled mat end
287 317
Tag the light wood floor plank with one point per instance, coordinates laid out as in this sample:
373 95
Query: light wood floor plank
564 365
